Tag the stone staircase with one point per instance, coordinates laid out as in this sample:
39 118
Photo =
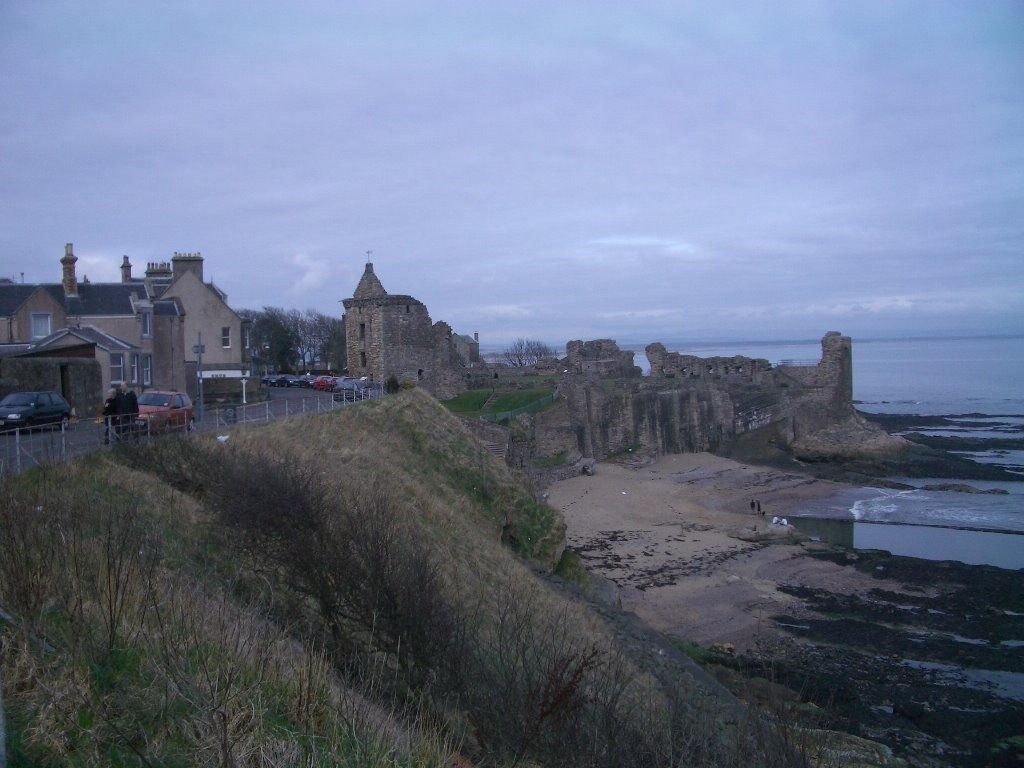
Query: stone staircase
498 449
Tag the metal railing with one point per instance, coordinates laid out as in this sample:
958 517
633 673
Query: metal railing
24 449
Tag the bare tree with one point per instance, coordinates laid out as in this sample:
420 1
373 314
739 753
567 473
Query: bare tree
524 352
326 339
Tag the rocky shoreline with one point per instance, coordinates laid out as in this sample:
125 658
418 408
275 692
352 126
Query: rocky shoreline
925 658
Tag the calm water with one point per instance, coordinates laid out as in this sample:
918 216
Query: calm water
980 380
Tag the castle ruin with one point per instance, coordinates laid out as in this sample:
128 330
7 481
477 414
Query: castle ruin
607 407
392 335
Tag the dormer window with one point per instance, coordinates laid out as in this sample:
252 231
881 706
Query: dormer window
146 316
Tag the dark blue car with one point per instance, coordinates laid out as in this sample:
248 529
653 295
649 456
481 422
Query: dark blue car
24 410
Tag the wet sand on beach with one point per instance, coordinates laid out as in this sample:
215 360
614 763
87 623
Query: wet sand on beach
679 542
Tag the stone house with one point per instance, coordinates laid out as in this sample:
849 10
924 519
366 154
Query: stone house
209 320
140 330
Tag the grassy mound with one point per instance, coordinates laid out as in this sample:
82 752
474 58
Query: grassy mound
353 588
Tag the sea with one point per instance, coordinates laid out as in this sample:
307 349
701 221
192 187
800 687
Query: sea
978 384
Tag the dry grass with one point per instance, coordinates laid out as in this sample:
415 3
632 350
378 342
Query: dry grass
332 590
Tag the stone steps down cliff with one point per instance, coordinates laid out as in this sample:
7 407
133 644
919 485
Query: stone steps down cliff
489 401
498 449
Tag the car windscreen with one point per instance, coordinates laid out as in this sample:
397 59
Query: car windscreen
153 399
19 398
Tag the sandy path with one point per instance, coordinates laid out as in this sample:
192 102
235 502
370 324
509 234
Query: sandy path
678 540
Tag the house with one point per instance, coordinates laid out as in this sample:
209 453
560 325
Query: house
141 331
209 322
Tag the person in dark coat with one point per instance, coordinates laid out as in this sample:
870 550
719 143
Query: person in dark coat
110 414
128 410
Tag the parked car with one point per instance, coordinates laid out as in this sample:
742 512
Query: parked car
24 410
300 381
280 380
165 412
323 383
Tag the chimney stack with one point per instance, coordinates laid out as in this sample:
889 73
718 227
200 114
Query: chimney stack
126 271
187 262
69 281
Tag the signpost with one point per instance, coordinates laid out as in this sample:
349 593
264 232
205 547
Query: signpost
198 350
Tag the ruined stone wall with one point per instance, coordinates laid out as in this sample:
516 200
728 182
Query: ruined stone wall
408 348
705 409
600 357
739 369
823 394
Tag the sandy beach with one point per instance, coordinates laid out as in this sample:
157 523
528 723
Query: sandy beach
679 542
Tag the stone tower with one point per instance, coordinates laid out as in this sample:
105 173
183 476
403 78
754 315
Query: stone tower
387 335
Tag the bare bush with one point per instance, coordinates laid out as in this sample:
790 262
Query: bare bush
214 655
31 548
377 584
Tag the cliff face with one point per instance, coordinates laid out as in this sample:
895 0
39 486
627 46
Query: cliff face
707 404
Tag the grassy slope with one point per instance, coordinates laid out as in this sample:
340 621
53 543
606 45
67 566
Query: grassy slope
145 633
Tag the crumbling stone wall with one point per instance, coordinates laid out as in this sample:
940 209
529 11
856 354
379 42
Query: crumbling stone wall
697 404
670 365
601 357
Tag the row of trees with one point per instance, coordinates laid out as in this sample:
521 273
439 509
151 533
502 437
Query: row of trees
290 340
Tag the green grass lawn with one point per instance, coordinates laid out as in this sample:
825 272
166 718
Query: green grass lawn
468 402
471 403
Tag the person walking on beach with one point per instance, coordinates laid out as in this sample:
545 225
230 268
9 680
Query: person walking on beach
751 506
759 507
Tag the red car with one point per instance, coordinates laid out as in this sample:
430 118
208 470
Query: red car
323 383
164 412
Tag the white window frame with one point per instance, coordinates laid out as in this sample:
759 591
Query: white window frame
147 323
147 370
135 368
38 317
116 367
225 337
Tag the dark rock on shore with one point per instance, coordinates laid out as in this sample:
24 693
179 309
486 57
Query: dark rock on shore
938 676
962 488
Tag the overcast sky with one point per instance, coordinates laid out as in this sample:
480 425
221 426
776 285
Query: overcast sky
645 171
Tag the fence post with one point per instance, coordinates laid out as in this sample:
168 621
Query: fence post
3 730
17 451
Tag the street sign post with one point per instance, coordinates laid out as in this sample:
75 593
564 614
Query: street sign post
198 350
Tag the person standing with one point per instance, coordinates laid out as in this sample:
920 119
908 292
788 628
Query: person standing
110 415
128 408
